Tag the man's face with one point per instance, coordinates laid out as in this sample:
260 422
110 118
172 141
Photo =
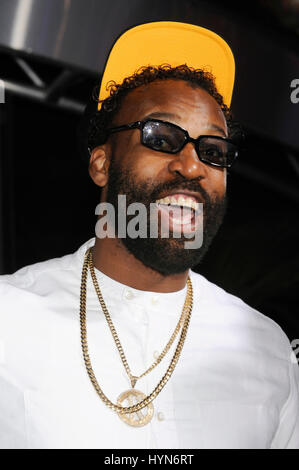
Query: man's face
145 175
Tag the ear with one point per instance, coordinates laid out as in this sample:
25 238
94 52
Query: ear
99 165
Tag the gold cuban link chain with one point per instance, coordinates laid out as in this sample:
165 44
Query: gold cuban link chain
134 378
186 314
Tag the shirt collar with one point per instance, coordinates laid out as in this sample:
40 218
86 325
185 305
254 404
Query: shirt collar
124 292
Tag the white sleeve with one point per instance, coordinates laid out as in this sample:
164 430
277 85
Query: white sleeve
287 434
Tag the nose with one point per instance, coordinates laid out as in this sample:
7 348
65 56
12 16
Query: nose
187 163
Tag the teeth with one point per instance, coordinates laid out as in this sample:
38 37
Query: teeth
180 201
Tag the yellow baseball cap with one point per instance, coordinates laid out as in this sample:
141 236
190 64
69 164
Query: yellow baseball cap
173 43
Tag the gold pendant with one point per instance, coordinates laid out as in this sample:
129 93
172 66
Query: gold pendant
138 418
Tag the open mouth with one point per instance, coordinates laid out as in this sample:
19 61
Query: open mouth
180 212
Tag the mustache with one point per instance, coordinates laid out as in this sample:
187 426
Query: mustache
181 184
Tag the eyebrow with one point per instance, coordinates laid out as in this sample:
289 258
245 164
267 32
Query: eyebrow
214 127
162 115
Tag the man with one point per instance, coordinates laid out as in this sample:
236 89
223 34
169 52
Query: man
193 366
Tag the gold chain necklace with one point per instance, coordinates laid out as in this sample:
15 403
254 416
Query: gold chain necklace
131 414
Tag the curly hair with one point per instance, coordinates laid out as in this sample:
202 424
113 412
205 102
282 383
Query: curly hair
101 120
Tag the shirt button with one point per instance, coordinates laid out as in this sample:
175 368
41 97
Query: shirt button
154 299
160 416
156 354
129 294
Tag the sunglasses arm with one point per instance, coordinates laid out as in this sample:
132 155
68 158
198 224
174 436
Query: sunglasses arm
132 125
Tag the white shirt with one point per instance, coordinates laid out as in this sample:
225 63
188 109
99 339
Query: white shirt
235 384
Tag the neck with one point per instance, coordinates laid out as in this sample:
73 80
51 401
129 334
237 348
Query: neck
112 258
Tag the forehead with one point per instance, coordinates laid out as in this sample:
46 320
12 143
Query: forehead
169 96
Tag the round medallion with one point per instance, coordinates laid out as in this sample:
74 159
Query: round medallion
138 418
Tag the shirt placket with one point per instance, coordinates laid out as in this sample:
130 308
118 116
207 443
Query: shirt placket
160 328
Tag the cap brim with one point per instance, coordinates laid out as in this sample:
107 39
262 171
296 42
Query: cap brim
173 43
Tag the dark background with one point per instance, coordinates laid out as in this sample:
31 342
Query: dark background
48 201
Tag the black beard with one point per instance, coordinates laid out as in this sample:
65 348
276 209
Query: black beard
164 255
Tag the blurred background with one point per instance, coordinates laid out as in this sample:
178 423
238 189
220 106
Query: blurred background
52 53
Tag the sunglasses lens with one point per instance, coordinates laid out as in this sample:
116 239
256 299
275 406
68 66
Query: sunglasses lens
217 152
162 137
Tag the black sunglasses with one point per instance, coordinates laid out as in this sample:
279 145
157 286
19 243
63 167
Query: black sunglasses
167 137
